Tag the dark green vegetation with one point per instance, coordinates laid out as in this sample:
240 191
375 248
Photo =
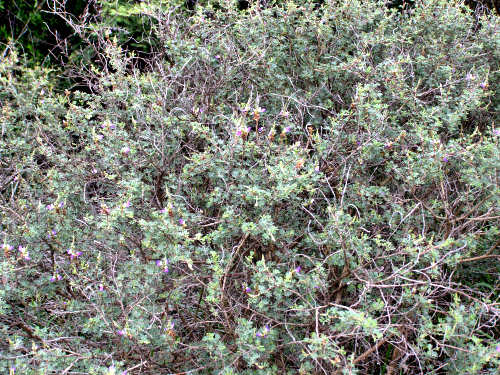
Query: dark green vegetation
290 189
32 26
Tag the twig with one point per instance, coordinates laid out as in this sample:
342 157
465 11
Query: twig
368 352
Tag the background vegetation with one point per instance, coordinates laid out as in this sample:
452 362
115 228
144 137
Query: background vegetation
292 188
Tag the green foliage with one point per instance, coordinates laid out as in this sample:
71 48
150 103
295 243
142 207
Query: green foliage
289 189
32 26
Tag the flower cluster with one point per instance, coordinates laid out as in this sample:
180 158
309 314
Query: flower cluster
169 329
163 265
264 332
56 277
23 253
7 249
51 234
243 132
257 112
108 125
51 206
285 131
73 254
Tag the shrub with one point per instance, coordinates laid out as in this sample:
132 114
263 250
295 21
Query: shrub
295 189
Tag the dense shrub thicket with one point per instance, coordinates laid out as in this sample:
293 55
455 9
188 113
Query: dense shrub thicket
286 190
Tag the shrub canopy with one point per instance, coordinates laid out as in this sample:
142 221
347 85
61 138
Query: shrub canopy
296 189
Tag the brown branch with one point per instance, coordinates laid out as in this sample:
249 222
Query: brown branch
363 356
484 256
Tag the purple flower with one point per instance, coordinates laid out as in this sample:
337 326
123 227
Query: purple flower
264 333
159 263
7 247
73 255
50 207
24 253
170 326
